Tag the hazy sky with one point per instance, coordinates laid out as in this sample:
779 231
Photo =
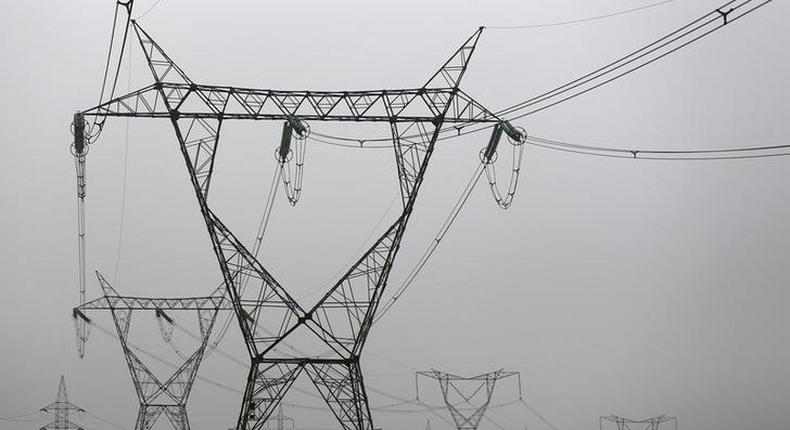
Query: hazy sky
631 287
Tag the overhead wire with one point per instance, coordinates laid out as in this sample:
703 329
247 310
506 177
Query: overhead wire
20 416
537 414
106 421
581 20
599 76
426 255
125 177
99 120
147 11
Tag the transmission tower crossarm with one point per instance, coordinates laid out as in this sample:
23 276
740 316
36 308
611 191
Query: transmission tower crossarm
157 303
236 103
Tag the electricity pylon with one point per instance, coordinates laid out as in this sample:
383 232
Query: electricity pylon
619 423
266 313
61 410
467 398
281 421
157 396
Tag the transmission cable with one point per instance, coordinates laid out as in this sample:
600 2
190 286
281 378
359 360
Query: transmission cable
147 11
121 222
599 77
105 421
19 417
128 6
448 222
654 154
537 414
581 20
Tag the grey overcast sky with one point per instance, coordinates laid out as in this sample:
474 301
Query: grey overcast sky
631 287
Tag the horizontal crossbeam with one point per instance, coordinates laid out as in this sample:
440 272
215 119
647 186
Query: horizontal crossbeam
222 102
143 303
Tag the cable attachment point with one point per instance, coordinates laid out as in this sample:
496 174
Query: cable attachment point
488 157
298 130
724 15
78 130
127 5
82 327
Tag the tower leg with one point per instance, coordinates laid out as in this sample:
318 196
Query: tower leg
342 387
177 414
147 416
267 384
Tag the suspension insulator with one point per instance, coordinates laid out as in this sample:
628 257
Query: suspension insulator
161 314
79 133
493 142
285 142
78 315
300 127
166 324
516 135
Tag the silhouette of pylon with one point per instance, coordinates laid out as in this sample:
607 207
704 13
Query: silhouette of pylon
467 398
61 409
156 396
268 316
619 423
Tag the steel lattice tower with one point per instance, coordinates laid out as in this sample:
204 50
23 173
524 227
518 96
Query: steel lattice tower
61 410
157 396
467 398
267 314
619 423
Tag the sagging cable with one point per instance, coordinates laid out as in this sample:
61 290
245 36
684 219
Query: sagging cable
488 156
290 155
79 149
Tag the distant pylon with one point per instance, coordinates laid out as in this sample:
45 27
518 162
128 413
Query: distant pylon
60 410
280 419
620 423
467 398
158 397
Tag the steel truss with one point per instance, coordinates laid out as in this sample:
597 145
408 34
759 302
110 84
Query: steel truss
619 423
60 409
267 314
157 396
467 398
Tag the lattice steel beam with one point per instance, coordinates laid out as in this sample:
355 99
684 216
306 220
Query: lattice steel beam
467 398
656 423
60 409
267 314
157 396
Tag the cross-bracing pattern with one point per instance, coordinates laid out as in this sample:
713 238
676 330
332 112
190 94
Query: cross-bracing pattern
158 396
60 410
614 422
466 398
267 314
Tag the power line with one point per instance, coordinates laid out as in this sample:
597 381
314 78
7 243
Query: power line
18 417
448 222
105 421
147 11
581 20
670 43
